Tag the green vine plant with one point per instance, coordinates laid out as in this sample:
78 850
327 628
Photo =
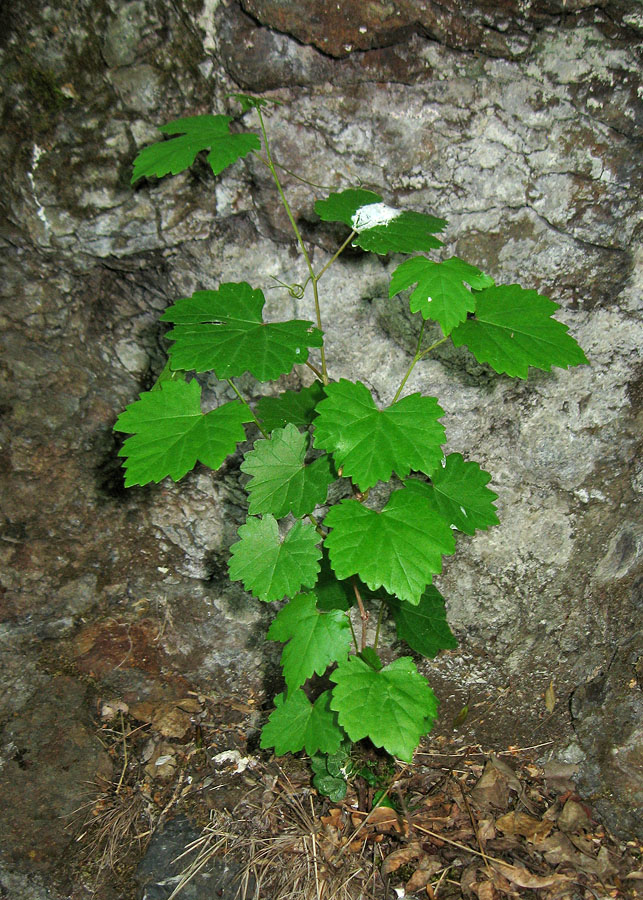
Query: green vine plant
335 565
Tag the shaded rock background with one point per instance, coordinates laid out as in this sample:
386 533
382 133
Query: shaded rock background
520 124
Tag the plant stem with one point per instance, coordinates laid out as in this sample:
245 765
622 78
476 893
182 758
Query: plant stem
379 623
350 622
250 409
362 612
300 240
419 354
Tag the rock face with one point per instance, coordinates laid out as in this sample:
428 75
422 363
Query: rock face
520 124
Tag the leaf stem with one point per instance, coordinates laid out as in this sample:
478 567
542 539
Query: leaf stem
315 370
250 409
419 354
335 255
300 240
278 165
362 612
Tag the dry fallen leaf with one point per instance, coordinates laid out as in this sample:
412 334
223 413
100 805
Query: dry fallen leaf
550 697
491 788
526 826
574 817
429 865
401 857
524 878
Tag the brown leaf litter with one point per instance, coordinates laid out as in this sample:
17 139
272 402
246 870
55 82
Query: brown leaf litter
457 823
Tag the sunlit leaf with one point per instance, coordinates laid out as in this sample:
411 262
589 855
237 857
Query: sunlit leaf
393 707
315 639
170 434
271 567
399 548
368 443
297 724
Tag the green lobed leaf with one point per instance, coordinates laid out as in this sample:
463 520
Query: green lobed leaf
296 407
369 444
296 724
424 627
272 568
170 434
196 133
440 293
329 592
458 493
314 639
405 232
513 329
224 331
342 206
399 548
282 481
393 707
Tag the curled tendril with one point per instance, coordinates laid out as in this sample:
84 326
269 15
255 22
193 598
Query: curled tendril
295 290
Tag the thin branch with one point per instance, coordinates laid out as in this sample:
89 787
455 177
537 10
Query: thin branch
362 612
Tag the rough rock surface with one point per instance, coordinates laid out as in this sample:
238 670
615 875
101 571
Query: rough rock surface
521 125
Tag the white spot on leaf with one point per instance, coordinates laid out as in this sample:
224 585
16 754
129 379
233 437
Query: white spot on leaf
373 214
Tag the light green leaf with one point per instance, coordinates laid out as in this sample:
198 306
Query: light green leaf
272 568
315 639
170 434
369 444
424 627
224 331
296 407
342 206
248 101
406 232
458 493
282 481
297 724
513 329
393 707
196 133
399 548
440 293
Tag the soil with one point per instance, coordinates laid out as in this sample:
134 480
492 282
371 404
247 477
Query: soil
105 789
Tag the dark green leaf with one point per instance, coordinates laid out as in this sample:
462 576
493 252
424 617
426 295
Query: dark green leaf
295 407
224 331
342 206
282 481
403 232
440 293
424 627
297 724
513 329
196 133
458 493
